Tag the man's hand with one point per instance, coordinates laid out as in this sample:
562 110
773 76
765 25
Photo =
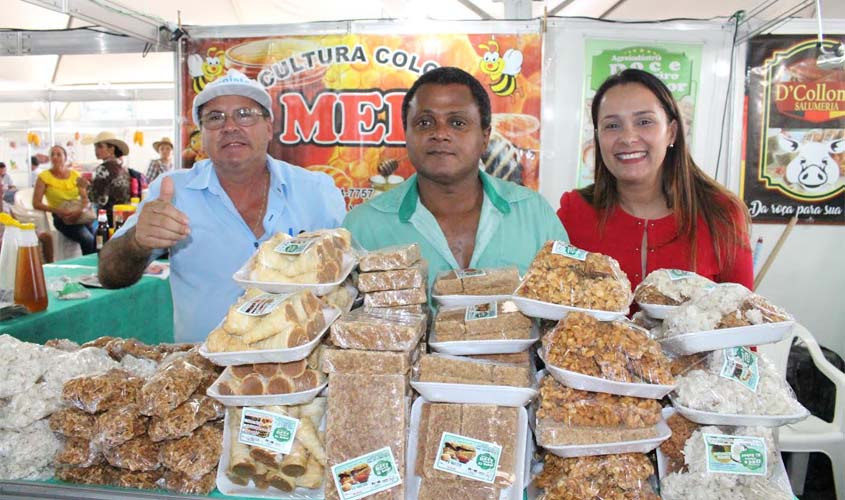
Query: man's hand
160 224
70 216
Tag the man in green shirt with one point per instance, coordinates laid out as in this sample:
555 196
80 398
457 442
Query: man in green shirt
460 216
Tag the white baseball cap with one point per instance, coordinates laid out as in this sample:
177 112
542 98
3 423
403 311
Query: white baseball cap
234 83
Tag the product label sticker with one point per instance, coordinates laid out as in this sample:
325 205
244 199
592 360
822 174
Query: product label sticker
677 274
295 246
467 457
469 273
735 454
267 430
740 365
482 311
366 475
567 250
261 305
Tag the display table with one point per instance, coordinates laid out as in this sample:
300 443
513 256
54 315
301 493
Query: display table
57 490
143 311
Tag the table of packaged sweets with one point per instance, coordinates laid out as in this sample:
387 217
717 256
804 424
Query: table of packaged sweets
337 375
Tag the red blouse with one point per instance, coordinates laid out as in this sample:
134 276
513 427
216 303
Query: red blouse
623 235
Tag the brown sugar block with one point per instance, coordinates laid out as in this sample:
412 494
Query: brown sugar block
399 279
442 418
422 438
393 298
383 331
507 317
390 258
453 369
499 281
512 375
373 362
453 489
516 358
366 413
449 323
448 283
504 433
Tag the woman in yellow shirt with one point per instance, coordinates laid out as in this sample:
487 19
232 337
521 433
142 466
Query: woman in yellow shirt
67 199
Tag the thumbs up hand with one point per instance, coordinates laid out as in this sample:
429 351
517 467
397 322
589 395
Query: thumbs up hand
160 224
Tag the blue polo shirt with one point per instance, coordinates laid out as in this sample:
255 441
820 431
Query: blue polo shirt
202 265
514 224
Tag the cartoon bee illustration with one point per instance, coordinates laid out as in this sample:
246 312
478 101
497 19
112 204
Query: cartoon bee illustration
205 71
502 70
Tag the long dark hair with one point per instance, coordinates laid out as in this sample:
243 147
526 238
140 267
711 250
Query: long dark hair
689 191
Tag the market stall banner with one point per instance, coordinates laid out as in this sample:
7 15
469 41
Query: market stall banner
337 99
676 64
794 158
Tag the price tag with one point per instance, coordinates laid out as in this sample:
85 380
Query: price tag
267 430
366 475
468 457
469 273
740 365
481 311
261 305
295 246
744 455
567 250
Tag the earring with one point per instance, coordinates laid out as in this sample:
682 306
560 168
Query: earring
671 145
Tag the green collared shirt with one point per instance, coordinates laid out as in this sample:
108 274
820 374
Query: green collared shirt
515 222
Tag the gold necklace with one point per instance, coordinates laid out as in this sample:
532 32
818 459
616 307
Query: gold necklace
260 220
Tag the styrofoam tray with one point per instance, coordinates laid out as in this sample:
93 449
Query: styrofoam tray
412 480
713 418
638 446
241 277
330 314
501 395
547 310
471 347
712 340
780 476
467 300
657 311
598 384
227 487
293 398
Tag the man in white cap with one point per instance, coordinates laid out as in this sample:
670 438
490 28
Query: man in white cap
214 216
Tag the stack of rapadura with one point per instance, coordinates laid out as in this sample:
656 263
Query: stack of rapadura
369 372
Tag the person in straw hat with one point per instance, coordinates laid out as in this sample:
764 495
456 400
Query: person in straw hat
164 163
112 181
213 216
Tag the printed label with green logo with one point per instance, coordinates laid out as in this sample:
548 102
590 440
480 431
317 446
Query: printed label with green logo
295 246
261 305
741 365
469 273
677 274
467 457
567 250
735 454
267 430
366 475
490 310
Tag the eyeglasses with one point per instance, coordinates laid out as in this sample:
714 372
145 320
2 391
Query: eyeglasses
243 117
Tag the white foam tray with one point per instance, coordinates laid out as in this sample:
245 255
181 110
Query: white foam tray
227 487
467 300
241 277
713 418
657 311
330 314
598 384
293 398
412 480
472 347
637 446
712 340
500 395
547 310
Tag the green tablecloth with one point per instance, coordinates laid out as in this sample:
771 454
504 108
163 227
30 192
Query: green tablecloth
143 310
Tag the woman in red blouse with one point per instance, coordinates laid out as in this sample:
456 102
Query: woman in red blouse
651 206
